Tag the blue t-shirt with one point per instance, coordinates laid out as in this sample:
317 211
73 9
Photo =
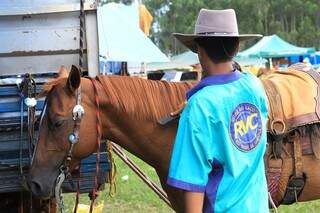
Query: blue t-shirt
220 144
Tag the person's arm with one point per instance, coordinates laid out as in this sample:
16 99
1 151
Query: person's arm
193 202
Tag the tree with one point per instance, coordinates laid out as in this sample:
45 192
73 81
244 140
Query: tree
297 21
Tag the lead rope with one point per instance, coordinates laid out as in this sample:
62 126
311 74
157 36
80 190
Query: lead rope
158 190
23 85
31 127
21 143
81 36
27 94
58 192
78 191
98 142
81 17
272 203
113 171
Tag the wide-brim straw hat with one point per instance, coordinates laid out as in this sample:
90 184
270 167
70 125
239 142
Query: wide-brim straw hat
214 23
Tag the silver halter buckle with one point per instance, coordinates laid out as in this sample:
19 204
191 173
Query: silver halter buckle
73 138
77 112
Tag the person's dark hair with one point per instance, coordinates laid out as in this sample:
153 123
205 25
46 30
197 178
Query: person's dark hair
218 49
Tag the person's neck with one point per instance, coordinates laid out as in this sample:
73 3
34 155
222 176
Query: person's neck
220 68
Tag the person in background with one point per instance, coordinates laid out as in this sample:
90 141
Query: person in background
217 158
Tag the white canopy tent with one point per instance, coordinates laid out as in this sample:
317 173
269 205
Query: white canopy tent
120 39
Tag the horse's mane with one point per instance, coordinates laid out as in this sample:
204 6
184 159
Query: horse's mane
140 98
144 99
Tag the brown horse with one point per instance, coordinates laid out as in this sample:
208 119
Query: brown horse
130 109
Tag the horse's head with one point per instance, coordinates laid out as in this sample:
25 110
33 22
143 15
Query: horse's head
57 124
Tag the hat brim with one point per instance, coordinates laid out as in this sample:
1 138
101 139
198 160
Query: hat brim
188 39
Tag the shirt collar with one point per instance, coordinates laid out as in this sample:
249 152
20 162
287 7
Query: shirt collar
215 80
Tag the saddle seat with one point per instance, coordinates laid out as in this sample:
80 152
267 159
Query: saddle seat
293 151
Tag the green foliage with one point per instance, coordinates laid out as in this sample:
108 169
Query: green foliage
126 2
297 21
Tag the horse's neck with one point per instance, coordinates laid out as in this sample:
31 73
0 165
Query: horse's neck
143 138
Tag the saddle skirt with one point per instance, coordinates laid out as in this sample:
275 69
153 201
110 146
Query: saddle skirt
293 99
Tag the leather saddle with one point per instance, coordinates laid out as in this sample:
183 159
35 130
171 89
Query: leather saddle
293 132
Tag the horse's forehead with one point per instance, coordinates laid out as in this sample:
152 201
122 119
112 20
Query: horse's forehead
58 98
57 92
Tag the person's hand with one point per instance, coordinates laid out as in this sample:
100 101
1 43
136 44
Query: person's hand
173 115
179 110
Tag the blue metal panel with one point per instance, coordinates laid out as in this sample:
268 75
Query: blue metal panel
6 91
15 106
13 90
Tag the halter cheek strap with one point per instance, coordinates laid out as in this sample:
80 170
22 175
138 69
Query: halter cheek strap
77 115
73 138
78 110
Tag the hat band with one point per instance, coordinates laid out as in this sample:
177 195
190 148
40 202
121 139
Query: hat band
216 33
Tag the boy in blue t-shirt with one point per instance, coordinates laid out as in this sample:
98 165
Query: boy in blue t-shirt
221 140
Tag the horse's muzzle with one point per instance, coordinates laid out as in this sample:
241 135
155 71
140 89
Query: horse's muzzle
39 189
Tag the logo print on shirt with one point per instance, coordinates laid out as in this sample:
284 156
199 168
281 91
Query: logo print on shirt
245 126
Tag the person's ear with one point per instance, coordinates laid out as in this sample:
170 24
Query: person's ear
237 49
200 52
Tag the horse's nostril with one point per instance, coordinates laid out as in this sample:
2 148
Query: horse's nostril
36 188
40 189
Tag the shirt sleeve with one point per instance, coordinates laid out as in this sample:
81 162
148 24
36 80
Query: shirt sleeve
192 158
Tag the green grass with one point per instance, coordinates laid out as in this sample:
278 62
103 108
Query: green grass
302 207
134 196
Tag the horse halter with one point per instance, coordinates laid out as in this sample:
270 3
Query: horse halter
73 138
77 115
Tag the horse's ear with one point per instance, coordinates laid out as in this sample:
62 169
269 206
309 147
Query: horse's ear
74 79
63 72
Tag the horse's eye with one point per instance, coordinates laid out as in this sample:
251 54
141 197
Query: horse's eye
58 123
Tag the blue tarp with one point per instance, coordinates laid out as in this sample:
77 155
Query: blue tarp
317 54
313 59
274 47
110 67
120 38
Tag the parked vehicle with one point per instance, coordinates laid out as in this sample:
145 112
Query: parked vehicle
37 37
